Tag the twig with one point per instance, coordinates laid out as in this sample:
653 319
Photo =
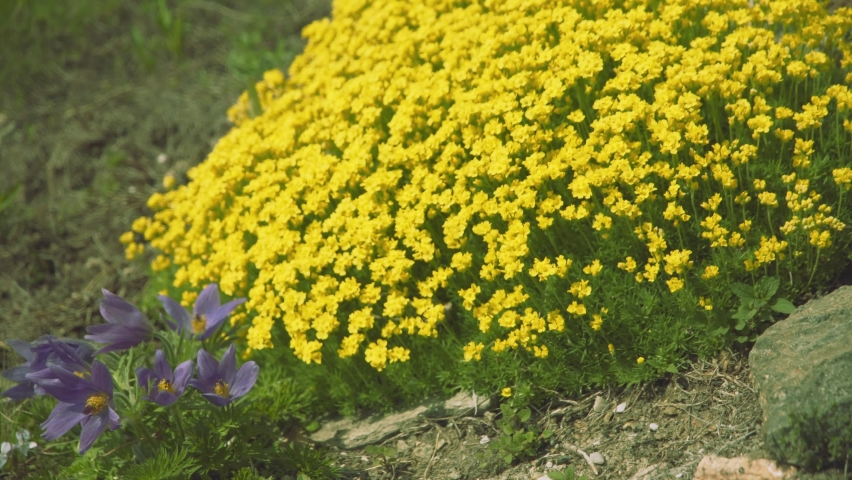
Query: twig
588 459
432 458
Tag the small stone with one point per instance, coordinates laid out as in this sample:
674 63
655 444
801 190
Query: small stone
549 464
597 458
608 417
543 477
454 474
484 440
621 407
162 158
600 404
653 427
670 411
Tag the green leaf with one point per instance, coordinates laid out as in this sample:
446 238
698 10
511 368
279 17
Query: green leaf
547 433
742 338
740 325
507 410
745 292
312 427
782 305
508 458
768 287
524 415
671 368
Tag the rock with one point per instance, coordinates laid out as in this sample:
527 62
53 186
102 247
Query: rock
352 433
653 427
621 407
802 367
349 433
600 404
463 403
597 458
712 467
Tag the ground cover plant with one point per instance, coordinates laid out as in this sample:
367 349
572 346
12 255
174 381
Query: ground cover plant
489 195
514 197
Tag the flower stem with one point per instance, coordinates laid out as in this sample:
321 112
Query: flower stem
179 422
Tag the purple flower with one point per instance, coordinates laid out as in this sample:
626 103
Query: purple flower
127 326
85 401
162 385
221 382
74 353
207 315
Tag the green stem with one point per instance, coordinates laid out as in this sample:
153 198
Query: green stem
179 422
813 270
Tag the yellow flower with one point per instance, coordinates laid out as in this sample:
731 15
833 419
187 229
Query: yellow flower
593 268
580 289
674 284
576 308
628 264
473 351
709 272
597 322
506 392
611 349
169 181
640 360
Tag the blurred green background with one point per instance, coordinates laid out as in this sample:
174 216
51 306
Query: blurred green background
99 100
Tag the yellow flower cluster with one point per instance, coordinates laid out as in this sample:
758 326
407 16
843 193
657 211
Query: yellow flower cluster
421 152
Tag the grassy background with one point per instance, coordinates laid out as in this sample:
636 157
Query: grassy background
92 93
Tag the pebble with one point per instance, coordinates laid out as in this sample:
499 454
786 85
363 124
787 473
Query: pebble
484 440
597 458
653 427
620 408
600 404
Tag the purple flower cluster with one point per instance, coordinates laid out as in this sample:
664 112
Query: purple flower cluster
67 370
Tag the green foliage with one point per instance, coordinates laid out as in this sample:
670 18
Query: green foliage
308 463
757 306
165 465
518 440
567 474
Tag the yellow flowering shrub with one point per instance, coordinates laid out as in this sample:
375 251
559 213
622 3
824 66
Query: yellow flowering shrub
533 176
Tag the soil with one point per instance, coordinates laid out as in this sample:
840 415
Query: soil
86 135
709 409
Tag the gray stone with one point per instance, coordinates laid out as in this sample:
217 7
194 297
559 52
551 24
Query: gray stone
802 368
597 458
351 433
462 403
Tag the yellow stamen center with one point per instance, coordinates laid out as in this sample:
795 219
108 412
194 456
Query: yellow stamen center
199 323
96 403
166 386
79 374
222 389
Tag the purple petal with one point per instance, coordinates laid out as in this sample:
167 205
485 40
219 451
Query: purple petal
162 367
114 420
178 313
101 378
118 310
217 400
63 418
207 367
165 398
22 348
183 373
245 379
204 386
228 365
63 374
20 391
67 354
17 374
207 301
92 427
57 390
217 316
146 379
